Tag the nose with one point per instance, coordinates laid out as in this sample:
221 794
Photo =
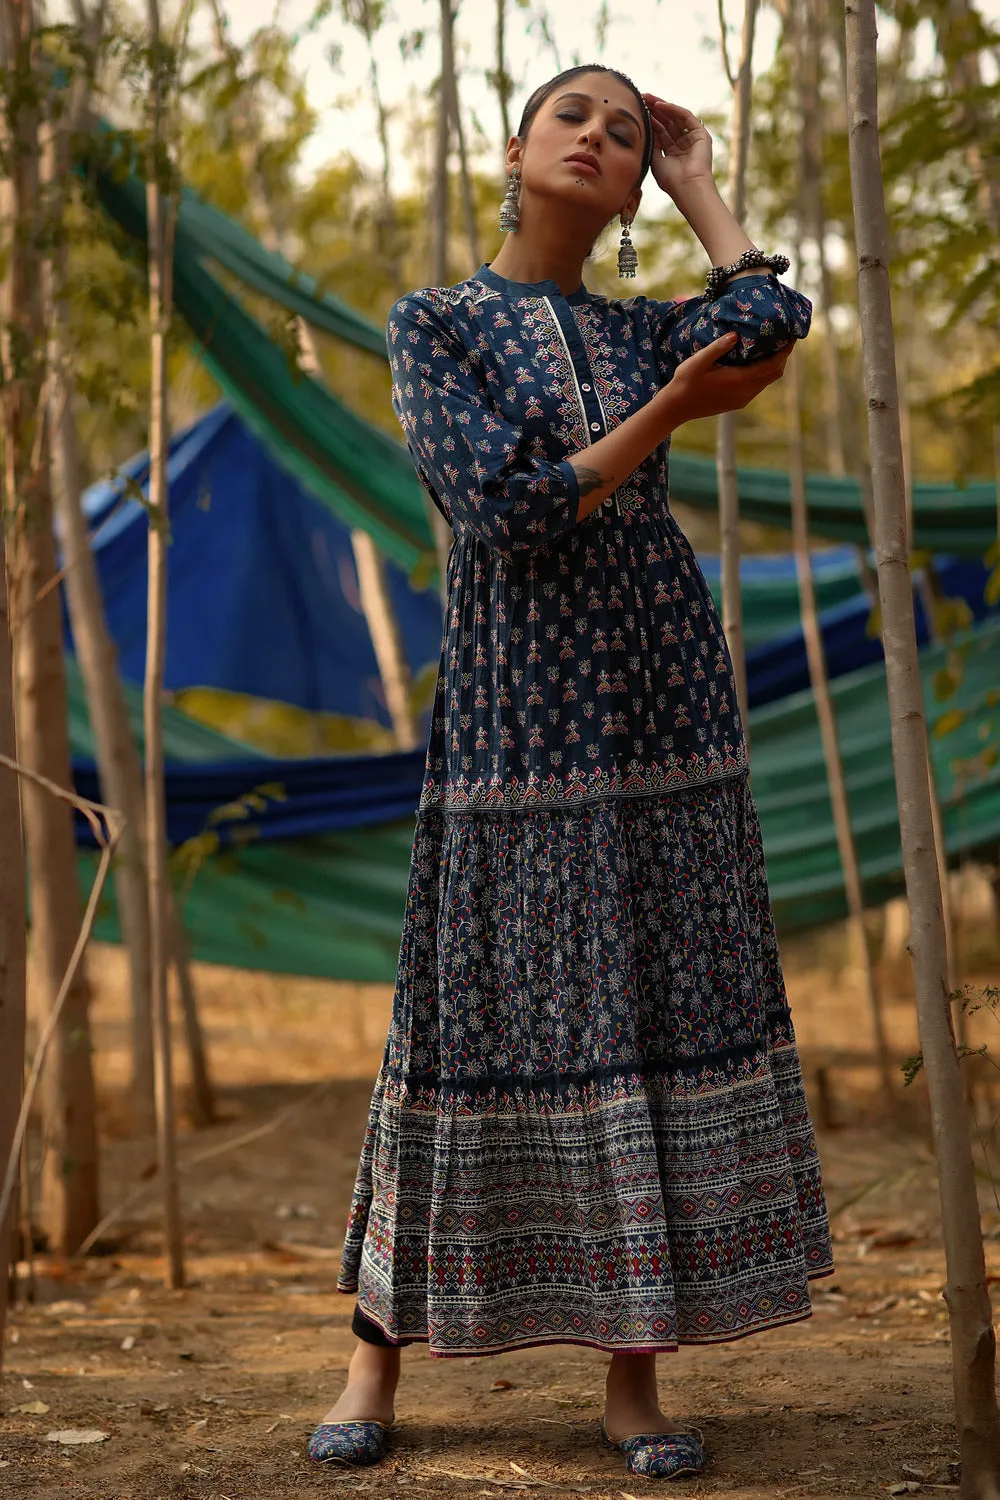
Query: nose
591 135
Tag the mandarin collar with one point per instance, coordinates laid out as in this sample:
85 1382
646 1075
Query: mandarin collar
528 288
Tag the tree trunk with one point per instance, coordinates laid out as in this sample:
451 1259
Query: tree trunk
973 1342
388 223
116 755
803 33
13 922
440 529
160 265
820 682
450 76
202 1100
502 78
814 217
387 639
69 1205
442 148
729 495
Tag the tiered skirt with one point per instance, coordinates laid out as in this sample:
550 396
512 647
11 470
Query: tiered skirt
589 1125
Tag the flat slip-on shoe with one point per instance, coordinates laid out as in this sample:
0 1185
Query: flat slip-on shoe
661 1455
355 1443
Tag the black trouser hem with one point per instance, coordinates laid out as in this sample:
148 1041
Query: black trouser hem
371 1333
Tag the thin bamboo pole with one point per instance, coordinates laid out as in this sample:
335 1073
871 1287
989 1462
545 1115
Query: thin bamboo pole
501 76
455 113
725 452
803 34
160 258
70 1188
114 748
973 1342
13 928
440 529
833 761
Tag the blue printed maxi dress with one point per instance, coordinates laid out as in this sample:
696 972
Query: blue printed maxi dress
589 1124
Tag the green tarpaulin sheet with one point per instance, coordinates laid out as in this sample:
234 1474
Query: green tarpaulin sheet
366 476
332 906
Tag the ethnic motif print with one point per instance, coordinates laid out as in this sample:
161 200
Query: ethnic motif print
601 671
589 1125
482 472
581 660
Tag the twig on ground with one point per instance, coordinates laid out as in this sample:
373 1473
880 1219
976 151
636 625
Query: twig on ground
211 1152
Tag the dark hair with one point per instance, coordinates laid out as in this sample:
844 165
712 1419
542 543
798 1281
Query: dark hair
546 90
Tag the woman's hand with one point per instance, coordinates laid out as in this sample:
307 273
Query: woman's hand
701 387
682 147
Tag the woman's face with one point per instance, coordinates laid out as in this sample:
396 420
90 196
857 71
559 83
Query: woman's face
585 146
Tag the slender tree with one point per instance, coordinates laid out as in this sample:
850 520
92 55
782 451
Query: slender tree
367 16
439 240
117 759
729 495
499 77
12 940
450 74
973 1341
70 1197
802 34
160 219
13 916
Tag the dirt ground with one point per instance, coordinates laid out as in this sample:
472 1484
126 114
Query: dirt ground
209 1393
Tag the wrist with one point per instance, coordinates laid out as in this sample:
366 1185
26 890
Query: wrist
696 193
671 412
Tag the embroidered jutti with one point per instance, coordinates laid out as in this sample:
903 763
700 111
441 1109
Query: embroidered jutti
589 1125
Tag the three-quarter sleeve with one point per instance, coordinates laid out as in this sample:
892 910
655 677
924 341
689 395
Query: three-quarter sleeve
476 465
765 314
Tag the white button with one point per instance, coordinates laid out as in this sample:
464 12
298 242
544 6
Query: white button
585 387
595 426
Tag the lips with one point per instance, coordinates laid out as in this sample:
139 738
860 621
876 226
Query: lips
584 159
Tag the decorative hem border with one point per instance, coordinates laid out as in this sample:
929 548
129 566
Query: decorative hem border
493 804
780 1320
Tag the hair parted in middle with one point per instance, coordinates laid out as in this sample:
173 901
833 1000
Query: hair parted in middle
546 90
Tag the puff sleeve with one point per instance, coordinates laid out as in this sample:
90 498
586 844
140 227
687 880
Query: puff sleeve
476 465
765 314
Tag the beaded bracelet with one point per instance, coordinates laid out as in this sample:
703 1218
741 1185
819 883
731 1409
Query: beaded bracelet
748 261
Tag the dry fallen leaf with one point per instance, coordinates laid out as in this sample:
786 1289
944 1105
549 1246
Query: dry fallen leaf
74 1437
33 1408
502 1385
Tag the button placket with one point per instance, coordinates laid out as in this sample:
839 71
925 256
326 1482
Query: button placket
576 352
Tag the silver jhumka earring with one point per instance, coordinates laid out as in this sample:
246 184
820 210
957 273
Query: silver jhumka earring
510 216
628 260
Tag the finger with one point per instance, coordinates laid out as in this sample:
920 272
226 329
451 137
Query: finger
676 115
773 364
712 352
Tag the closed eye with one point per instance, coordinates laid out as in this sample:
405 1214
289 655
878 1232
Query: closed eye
623 140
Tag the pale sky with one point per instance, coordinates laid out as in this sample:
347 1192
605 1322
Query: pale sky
670 47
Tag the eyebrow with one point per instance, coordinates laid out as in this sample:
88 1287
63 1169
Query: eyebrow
589 99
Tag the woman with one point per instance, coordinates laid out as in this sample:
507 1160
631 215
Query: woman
589 1125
